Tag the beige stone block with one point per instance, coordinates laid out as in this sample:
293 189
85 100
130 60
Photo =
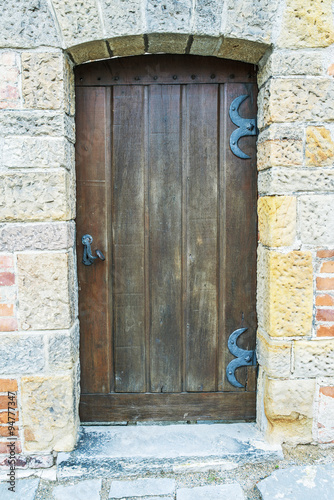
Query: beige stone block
242 50
319 147
172 43
279 153
78 20
316 221
69 86
37 152
288 407
9 80
42 80
277 220
273 356
127 46
48 413
207 17
295 180
169 17
292 132
36 196
285 293
44 291
313 358
307 23
89 51
124 18
205 45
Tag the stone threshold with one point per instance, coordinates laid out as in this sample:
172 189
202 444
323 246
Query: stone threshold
129 451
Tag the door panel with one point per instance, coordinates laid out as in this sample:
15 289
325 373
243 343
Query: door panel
174 210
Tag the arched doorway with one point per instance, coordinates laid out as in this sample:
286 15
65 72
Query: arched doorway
174 211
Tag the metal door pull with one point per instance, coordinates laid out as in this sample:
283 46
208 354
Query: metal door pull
88 258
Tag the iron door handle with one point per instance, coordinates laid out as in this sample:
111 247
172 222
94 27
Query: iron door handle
88 258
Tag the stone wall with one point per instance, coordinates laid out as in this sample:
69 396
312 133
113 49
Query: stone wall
292 43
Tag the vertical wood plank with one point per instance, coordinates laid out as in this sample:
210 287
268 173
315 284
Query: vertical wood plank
165 191
128 238
202 321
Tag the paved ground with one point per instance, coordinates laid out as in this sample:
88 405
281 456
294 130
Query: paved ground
303 473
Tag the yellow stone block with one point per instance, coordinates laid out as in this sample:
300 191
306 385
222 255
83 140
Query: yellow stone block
277 220
127 46
279 153
288 406
307 23
319 147
273 355
89 51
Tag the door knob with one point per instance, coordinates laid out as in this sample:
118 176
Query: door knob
88 258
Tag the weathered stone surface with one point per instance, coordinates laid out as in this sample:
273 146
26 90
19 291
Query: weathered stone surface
44 291
289 409
38 152
205 45
326 415
279 153
319 147
295 180
207 18
282 132
63 349
69 86
85 490
79 20
24 488
123 18
307 24
39 236
242 50
232 490
316 221
21 353
313 358
42 80
27 24
89 52
288 100
273 356
127 46
36 196
277 220
34 123
49 417
285 293
169 43
141 488
296 483
9 80
168 16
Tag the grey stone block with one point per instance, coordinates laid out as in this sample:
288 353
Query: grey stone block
21 353
220 492
39 236
316 220
168 17
288 180
141 488
33 123
24 489
123 18
84 490
299 483
208 17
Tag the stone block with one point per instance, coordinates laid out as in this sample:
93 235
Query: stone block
167 42
35 123
48 414
21 353
316 221
63 349
24 488
242 50
205 45
279 153
127 46
207 18
277 220
37 236
69 86
313 358
296 99
28 24
9 80
326 415
37 152
280 132
42 80
285 293
36 196
123 18
168 16
142 488
273 356
78 21
44 291
295 180
89 52
319 147
288 407
84 490
307 24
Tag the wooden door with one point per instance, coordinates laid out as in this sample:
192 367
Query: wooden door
174 212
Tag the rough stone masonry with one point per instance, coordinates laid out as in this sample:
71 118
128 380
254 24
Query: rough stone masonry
292 42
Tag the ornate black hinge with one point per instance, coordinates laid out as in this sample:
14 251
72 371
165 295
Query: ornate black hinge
243 357
247 126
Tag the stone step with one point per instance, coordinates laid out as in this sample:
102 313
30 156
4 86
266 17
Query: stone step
127 451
